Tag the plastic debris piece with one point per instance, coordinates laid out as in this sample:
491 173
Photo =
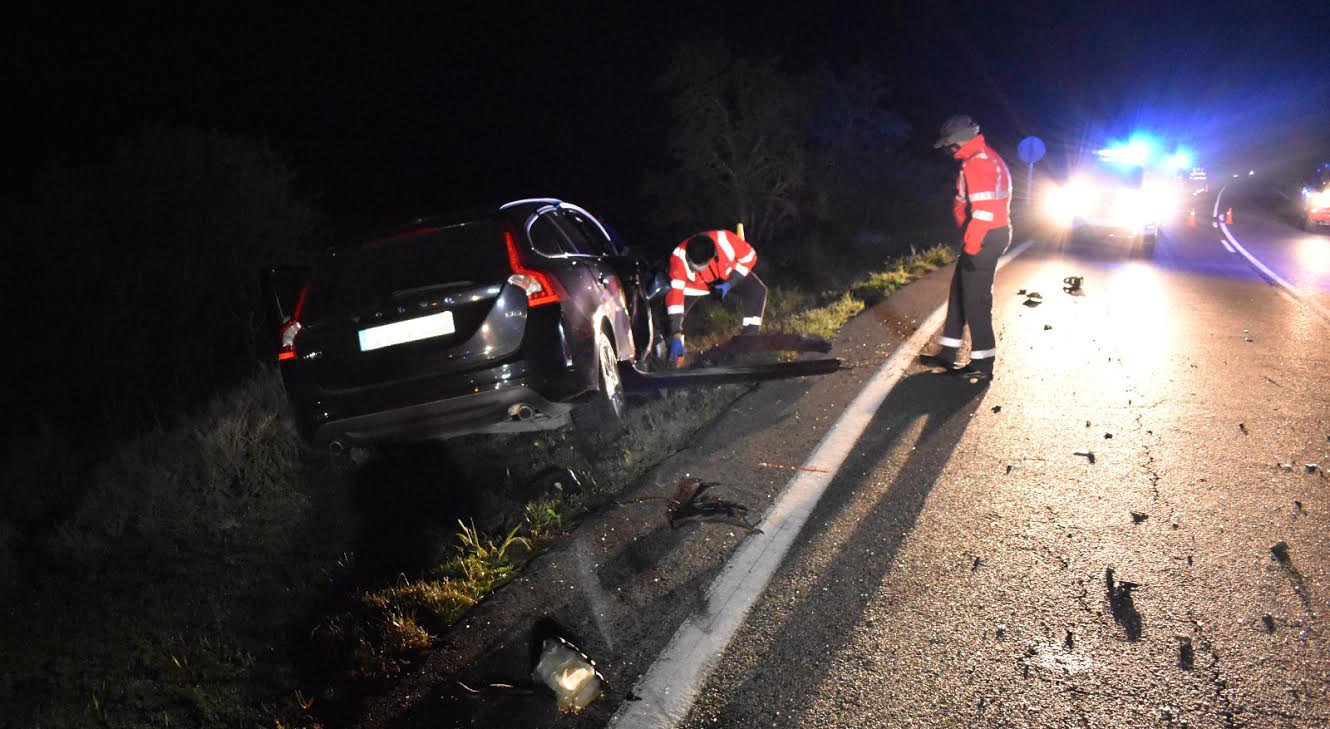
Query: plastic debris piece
1009 467
975 566
570 674
997 408
1269 622
1072 284
1243 427
1087 454
1108 436
1137 517
1047 327
1069 641
1311 467
1280 551
1020 292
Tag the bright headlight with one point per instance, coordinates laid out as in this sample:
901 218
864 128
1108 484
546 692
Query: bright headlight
1159 202
1319 199
1131 207
1063 205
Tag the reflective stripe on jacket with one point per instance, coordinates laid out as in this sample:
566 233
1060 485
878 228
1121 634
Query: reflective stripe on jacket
983 192
734 256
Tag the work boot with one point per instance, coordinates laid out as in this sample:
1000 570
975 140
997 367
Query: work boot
944 359
977 372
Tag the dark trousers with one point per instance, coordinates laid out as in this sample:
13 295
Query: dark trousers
971 301
752 295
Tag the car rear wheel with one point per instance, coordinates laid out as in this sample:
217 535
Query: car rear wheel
605 410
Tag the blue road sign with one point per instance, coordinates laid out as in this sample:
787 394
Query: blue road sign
1031 150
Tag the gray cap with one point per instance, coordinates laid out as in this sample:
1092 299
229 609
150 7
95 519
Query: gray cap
959 129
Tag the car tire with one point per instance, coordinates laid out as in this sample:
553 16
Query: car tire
603 412
1308 225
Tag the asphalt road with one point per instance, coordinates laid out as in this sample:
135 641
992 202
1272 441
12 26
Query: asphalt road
956 572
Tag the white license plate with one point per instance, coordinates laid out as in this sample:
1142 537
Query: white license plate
411 330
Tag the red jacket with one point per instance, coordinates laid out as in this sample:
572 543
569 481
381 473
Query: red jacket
733 256
983 192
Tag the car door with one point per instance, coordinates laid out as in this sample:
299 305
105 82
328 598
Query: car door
577 274
618 276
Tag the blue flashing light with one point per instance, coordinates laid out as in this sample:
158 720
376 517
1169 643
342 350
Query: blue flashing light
1138 151
1179 160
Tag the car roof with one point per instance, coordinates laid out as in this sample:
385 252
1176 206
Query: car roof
515 210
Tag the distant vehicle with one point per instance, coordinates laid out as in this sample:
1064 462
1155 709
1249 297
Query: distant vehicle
1316 199
1112 201
512 318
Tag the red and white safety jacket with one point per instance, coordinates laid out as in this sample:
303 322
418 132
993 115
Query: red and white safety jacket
983 193
734 256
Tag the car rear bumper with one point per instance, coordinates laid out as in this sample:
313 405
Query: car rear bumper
506 409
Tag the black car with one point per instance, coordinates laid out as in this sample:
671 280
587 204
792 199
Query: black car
506 319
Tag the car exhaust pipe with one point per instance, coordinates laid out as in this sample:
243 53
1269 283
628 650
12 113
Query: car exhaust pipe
521 411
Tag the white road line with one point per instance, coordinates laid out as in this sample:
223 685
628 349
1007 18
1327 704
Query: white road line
1270 275
668 688
1275 278
1228 247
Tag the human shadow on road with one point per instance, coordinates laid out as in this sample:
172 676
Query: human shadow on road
823 620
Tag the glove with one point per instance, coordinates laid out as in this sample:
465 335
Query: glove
974 239
724 288
676 347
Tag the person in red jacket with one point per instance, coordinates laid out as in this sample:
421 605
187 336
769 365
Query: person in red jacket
712 261
983 213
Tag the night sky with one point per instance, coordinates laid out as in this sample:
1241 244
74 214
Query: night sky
401 108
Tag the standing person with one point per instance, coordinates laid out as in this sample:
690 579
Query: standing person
983 213
712 261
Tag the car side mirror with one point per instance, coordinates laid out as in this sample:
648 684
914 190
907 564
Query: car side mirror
659 283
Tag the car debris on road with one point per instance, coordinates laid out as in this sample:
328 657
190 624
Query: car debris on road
570 674
691 502
1280 551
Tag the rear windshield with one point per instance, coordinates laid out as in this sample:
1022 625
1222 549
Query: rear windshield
418 263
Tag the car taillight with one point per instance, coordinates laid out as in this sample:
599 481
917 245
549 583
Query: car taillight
539 290
287 334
